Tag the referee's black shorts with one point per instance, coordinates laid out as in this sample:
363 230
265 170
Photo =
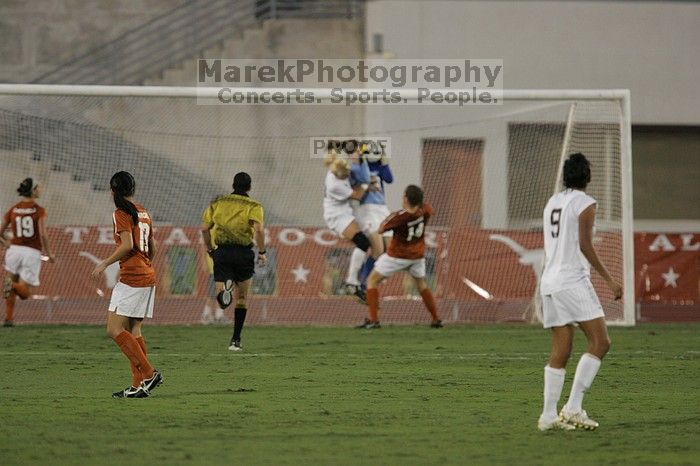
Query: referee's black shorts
233 262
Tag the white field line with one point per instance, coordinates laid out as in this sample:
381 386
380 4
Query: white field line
437 355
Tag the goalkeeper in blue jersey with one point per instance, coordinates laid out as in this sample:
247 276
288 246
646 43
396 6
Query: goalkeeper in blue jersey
372 210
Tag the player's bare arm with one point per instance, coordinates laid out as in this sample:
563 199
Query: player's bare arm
206 236
259 230
43 234
3 240
127 244
389 224
151 247
586 222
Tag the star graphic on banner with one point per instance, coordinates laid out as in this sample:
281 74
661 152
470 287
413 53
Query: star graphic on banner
301 274
670 278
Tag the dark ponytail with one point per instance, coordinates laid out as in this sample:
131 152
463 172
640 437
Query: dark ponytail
26 187
123 186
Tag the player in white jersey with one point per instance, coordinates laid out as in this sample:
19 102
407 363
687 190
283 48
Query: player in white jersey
568 297
337 210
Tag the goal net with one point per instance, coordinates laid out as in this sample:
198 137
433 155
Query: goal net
487 170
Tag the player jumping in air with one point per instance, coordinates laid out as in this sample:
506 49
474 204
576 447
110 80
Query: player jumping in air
132 297
370 213
406 252
238 221
568 297
27 219
337 210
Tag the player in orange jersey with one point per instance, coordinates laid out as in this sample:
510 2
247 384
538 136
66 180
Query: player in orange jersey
132 297
27 220
406 252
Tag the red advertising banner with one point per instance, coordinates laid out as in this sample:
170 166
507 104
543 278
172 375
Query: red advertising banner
302 283
477 276
667 267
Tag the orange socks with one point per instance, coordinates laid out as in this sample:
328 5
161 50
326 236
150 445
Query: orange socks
21 290
142 343
429 301
10 307
131 348
135 373
373 303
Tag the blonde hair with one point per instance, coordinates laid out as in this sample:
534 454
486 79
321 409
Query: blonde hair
340 167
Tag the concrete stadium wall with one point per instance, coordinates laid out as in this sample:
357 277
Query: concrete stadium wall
39 35
648 47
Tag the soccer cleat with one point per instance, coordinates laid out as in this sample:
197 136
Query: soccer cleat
372 324
552 424
225 296
7 287
579 419
131 392
357 292
152 382
368 324
235 346
8 323
436 324
363 324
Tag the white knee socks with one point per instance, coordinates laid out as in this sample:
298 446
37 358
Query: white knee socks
586 371
553 383
356 260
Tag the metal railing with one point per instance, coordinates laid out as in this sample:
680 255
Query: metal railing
276 9
185 32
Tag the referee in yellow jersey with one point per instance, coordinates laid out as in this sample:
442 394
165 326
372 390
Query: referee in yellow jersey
238 221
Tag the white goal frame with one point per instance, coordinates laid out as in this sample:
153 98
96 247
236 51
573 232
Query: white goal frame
621 96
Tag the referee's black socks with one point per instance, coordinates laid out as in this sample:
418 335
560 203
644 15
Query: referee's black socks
238 319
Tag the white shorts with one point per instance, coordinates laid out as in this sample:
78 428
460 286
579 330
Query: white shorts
338 221
370 216
571 306
134 302
388 266
25 262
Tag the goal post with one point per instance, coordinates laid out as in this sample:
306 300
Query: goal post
486 169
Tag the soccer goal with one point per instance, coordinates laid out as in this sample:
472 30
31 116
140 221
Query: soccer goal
488 170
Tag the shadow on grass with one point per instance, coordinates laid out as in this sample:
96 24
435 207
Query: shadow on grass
190 393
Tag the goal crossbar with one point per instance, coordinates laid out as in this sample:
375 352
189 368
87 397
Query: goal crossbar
321 93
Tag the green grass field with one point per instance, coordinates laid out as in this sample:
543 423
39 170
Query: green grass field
399 395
